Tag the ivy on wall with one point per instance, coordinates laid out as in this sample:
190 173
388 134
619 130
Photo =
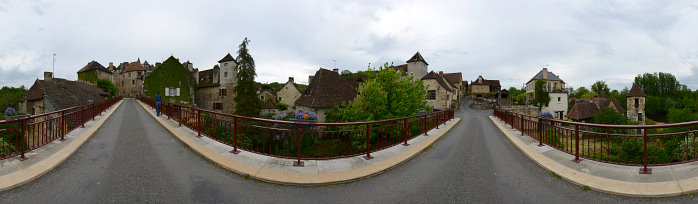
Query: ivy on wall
90 76
171 74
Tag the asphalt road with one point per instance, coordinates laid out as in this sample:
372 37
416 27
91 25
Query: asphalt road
132 159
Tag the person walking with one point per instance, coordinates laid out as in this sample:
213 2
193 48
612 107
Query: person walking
158 102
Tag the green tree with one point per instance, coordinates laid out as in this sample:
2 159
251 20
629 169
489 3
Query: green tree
10 97
658 84
246 101
541 96
600 87
390 95
107 86
609 116
589 94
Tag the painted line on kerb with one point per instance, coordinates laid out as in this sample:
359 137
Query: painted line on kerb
274 176
42 167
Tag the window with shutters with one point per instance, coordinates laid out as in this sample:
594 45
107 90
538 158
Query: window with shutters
217 106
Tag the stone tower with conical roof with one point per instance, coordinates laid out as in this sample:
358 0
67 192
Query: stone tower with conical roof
417 66
636 104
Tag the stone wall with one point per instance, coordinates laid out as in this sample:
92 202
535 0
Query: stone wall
480 89
633 113
443 97
288 94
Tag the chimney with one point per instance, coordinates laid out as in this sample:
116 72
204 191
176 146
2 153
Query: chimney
111 64
310 78
441 73
290 79
48 75
335 70
545 73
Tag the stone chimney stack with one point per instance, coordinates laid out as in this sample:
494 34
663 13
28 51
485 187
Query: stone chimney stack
335 70
291 79
441 73
310 79
111 64
48 75
545 73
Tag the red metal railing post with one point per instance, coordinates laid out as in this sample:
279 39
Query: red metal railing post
576 145
644 169
299 162
540 132
368 143
438 115
426 132
93 111
521 125
404 131
167 108
22 137
235 136
62 126
82 116
198 123
180 115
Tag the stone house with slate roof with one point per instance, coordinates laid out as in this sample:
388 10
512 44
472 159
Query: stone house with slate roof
556 89
93 71
327 90
52 94
636 104
268 108
440 91
216 85
129 81
267 95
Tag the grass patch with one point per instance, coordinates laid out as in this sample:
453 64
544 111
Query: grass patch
247 176
553 174
585 187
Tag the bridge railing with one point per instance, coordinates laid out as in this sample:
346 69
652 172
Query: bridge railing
302 140
21 135
631 145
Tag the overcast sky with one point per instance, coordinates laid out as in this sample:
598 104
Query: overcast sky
581 41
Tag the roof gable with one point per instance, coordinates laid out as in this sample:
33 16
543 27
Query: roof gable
133 66
93 65
440 80
635 92
454 78
227 58
550 76
417 58
328 89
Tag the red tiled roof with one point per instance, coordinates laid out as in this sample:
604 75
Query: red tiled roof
133 66
402 68
454 78
416 58
582 110
269 104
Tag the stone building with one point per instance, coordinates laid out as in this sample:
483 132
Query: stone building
130 80
216 85
52 94
416 66
456 80
636 104
556 89
269 108
267 95
585 109
94 71
482 87
289 93
440 91
327 90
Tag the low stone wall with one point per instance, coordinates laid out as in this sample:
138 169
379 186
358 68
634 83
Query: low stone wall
523 109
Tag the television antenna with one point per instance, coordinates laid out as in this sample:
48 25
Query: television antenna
54 64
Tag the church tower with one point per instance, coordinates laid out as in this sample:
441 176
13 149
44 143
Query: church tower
636 104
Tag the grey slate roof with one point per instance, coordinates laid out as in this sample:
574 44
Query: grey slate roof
64 93
551 77
93 65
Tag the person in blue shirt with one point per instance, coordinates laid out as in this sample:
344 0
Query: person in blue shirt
158 102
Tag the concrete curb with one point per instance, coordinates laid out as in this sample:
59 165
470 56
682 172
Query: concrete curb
285 178
624 188
42 167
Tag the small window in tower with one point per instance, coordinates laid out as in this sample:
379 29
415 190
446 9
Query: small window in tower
637 103
225 64
639 117
559 98
225 74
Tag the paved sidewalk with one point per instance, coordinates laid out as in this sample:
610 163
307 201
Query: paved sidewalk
616 179
14 172
315 172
